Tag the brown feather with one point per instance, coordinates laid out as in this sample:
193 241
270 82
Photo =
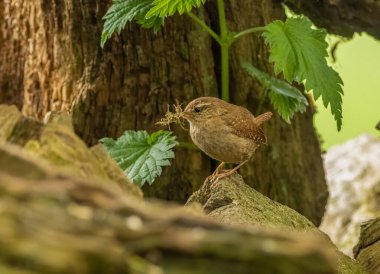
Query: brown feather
244 125
263 118
224 131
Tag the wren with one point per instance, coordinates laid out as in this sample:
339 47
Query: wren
225 132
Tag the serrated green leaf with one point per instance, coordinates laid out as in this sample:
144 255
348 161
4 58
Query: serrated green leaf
285 98
285 106
141 155
123 11
163 8
299 52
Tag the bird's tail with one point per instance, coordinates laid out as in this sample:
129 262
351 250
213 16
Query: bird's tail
263 118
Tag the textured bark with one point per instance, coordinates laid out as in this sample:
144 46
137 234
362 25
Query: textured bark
367 251
12 54
128 85
341 16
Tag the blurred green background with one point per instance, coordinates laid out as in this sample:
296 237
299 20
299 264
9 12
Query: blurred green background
358 63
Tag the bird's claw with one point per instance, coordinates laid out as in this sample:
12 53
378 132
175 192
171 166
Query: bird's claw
216 177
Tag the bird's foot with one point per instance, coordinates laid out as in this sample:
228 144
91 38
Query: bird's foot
217 171
214 178
220 174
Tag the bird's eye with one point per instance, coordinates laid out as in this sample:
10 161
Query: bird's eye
196 109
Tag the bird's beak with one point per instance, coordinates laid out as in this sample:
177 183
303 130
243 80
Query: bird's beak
187 115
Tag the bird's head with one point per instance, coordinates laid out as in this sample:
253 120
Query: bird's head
203 109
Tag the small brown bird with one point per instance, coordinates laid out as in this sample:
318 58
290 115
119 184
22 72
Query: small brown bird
225 132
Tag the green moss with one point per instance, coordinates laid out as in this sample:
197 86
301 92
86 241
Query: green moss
231 201
9 116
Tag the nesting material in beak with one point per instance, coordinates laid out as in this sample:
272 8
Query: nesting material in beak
173 117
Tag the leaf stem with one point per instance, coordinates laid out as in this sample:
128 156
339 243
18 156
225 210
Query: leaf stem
248 31
222 19
225 45
225 73
205 27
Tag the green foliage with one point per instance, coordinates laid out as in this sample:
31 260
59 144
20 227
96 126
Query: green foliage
163 8
148 13
300 52
141 155
123 11
297 50
285 98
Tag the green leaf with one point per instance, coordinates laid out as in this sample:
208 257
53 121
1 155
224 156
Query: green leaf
123 11
285 106
163 8
141 155
299 52
285 98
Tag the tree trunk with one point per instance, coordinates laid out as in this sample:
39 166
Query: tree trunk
52 60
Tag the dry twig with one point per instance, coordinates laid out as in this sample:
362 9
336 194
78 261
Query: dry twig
173 117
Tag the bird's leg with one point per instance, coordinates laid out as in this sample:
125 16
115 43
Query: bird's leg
216 172
217 177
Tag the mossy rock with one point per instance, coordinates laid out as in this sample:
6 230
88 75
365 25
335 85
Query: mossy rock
56 142
231 201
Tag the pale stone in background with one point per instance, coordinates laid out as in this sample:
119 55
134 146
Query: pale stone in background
353 177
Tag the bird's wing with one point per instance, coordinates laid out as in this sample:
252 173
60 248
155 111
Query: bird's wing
243 125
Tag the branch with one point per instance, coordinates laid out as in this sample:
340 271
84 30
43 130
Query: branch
341 17
248 31
205 27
